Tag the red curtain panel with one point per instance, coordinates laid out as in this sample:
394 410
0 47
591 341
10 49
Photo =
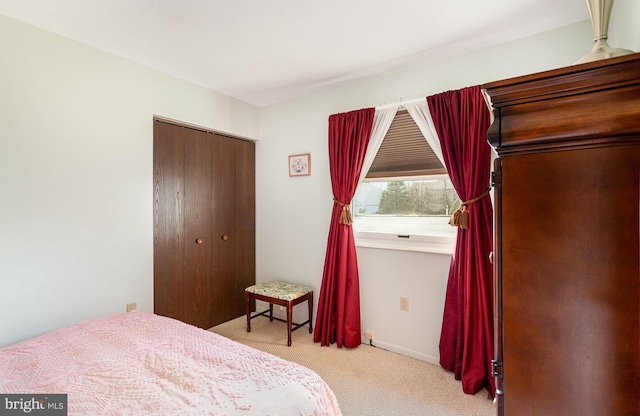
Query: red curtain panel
338 317
461 120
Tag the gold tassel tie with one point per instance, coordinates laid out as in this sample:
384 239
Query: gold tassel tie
460 218
345 215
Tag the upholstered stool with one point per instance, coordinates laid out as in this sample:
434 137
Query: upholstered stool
283 294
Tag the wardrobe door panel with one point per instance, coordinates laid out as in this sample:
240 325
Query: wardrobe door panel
570 268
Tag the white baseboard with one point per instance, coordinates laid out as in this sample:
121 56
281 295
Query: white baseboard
404 351
280 313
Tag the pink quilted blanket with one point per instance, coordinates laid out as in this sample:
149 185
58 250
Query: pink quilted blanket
139 363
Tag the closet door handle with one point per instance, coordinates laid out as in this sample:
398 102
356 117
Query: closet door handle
225 237
199 241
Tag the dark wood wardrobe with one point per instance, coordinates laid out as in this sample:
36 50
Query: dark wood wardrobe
204 223
567 240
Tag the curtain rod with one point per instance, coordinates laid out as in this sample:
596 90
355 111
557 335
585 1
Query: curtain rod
400 104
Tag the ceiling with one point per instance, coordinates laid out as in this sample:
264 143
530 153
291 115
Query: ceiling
267 51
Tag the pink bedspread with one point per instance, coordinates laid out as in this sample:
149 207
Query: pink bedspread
139 363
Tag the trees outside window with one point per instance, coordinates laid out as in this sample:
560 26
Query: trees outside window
419 206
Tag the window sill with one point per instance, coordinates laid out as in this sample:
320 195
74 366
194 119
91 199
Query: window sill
424 244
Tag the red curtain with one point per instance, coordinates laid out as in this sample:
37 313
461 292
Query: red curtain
338 318
461 120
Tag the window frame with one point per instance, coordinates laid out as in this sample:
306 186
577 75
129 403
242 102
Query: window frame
420 243
435 244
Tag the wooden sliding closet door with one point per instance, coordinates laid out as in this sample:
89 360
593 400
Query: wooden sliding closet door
204 224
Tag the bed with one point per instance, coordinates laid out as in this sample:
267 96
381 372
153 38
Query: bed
138 363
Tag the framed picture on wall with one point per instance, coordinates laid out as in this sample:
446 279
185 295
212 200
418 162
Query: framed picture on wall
300 165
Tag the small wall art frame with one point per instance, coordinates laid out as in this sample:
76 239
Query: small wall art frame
300 165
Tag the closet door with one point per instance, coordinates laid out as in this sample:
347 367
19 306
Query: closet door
233 212
204 234
168 225
200 280
244 243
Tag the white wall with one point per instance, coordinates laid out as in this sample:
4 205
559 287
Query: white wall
293 213
76 159
624 26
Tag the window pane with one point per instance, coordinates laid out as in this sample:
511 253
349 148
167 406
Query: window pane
414 206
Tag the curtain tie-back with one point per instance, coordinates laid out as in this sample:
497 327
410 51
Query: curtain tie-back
460 218
345 215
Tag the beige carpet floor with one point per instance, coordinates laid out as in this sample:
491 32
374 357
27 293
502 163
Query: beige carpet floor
367 381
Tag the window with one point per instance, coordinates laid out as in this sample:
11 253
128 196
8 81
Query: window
407 199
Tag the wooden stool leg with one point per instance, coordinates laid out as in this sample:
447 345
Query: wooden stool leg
310 301
270 312
247 304
289 321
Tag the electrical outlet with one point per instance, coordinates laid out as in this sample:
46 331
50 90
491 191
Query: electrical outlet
404 303
132 306
368 335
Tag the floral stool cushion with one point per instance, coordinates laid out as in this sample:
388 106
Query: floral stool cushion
279 290
283 294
